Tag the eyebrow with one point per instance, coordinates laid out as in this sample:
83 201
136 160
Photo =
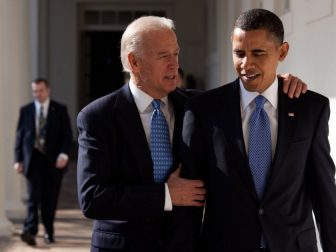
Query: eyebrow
165 52
258 50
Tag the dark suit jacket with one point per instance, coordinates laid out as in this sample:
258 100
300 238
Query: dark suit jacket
115 175
302 175
58 133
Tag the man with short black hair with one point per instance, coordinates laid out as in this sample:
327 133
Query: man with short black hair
264 158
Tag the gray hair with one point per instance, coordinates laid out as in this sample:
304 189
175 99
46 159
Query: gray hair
131 40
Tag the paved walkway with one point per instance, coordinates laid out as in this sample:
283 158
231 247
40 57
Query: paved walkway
72 235
72 230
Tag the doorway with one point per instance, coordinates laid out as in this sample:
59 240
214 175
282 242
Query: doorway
105 68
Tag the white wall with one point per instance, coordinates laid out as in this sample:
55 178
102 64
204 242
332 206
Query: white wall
190 23
61 55
220 19
220 16
14 91
311 33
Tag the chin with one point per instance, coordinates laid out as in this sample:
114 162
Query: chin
250 87
171 87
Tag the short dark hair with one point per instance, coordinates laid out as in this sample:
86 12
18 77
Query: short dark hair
39 80
255 19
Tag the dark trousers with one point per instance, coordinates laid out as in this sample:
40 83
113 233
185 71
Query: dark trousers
43 186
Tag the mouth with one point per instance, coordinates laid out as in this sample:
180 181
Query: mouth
250 76
170 77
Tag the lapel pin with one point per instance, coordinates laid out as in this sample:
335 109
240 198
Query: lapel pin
290 114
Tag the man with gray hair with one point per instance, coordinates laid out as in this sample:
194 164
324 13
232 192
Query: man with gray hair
122 184
128 176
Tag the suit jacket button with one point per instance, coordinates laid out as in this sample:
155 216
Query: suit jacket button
261 211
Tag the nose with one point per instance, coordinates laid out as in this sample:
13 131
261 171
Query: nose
246 62
173 62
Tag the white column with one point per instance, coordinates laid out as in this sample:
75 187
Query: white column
14 91
5 225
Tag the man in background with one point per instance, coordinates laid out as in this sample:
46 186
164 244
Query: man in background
43 141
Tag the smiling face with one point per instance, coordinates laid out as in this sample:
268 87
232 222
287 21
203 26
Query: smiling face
155 71
256 54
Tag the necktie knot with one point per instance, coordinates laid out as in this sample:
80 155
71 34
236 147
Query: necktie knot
260 101
156 104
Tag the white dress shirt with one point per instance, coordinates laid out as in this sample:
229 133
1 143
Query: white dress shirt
144 104
247 106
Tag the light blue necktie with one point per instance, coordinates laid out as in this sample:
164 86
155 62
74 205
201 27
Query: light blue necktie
160 144
260 149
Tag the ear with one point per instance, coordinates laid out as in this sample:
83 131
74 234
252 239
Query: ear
133 62
283 51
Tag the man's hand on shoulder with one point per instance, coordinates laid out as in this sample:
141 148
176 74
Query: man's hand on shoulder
293 86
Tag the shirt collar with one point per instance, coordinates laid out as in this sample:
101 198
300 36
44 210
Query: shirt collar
271 94
142 100
45 104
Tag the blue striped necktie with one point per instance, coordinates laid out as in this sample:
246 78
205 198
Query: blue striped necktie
160 144
260 150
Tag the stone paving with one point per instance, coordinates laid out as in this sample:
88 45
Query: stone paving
72 235
72 230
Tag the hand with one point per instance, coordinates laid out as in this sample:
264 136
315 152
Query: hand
293 86
61 162
18 167
185 192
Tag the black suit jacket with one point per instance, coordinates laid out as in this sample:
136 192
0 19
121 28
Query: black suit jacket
58 133
302 176
115 175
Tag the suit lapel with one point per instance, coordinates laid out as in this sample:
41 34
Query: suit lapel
50 124
51 115
286 127
32 118
232 125
130 124
177 101
232 122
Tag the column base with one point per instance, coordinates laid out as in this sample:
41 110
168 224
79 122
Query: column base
6 228
16 211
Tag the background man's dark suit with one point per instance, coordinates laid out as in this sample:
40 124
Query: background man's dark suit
40 169
115 175
302 175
